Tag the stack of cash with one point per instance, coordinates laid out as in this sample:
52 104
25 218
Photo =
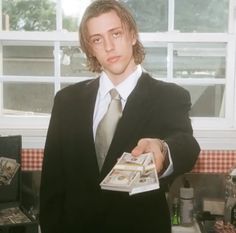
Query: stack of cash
12 215
8 169
132 174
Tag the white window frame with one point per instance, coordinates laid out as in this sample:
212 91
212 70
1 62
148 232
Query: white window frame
212 133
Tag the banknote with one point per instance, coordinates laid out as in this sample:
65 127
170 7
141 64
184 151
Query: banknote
12 216
148 181
132 174
120 180
133 163
8 169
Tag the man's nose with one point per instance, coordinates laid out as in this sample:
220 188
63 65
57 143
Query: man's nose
108 44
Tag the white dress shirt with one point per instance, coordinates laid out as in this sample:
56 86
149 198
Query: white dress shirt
103 97
124 89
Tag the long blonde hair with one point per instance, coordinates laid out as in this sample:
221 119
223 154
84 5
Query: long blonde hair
97 8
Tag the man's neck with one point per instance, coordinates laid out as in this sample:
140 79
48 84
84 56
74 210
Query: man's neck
116 79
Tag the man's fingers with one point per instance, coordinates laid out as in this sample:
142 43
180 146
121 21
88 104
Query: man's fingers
145 145
141 147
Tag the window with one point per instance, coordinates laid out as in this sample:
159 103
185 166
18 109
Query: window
29 15
187 42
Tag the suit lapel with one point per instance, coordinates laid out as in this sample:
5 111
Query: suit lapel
85 115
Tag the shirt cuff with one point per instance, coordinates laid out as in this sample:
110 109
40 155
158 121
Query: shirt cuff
170 168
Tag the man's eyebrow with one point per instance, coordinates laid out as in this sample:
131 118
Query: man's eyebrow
111 30
94 35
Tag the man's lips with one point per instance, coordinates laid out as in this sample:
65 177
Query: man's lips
113 59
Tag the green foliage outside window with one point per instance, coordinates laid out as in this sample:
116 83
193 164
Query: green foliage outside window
36 15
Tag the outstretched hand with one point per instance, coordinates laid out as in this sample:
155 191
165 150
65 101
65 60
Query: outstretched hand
153 145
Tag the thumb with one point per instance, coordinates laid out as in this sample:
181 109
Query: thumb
141 147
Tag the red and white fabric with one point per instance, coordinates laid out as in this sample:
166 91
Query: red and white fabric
209 161
31 159
215 161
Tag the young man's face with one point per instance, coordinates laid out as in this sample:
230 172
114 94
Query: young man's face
112 45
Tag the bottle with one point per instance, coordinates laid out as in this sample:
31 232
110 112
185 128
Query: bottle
230 197
186 204
233 215
175 212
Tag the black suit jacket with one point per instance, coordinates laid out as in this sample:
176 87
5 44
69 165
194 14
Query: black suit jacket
71 200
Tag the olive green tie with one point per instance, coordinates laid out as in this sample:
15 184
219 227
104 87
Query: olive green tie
107 126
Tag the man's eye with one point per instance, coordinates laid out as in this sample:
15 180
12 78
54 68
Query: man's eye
116 34
97 40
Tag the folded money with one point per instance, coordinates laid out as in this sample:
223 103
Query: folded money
8 169
132 174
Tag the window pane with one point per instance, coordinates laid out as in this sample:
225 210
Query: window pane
28 60
27 98
73 62
151 15
29 15
199 60
72 13
201 15
63 85
207 101
155 61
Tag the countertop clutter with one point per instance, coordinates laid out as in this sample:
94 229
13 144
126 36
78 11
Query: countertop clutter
190 229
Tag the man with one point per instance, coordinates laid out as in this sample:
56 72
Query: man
154 119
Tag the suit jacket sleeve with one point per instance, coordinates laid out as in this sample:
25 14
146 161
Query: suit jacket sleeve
178 131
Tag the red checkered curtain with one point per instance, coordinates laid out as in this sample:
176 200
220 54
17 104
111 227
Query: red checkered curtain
31 159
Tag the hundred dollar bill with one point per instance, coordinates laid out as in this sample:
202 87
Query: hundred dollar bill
120 180
147 182
12 216
132 174
134 163
8 168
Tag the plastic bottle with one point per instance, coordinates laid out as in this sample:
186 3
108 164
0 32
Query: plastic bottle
233 215
175 212
230 197
186 204
229 200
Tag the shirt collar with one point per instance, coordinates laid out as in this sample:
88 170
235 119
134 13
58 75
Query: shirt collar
124 88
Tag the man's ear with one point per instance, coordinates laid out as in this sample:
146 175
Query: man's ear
134 38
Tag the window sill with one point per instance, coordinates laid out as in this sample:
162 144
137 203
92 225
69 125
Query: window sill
208 139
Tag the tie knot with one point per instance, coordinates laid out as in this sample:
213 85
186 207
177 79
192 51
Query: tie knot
114 94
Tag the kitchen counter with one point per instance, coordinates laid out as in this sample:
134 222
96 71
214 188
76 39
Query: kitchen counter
191 229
